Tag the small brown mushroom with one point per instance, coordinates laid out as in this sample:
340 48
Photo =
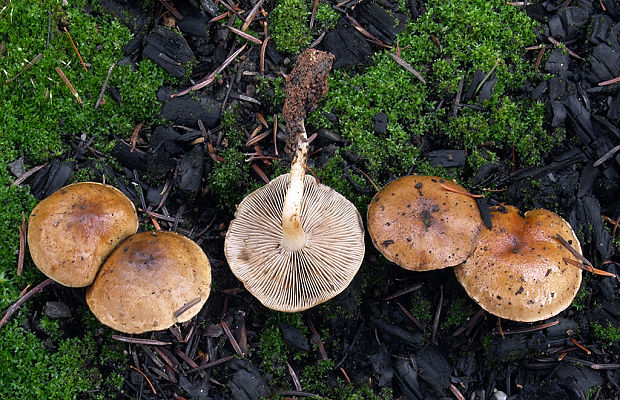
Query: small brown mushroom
420 225
294 276
517 270
150 282
72 231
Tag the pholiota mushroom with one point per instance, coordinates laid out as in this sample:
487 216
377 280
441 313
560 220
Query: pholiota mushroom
421 223
518 270
150 282
72 231
295 243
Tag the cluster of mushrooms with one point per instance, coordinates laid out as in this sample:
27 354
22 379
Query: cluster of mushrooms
295 243
85 235
520 269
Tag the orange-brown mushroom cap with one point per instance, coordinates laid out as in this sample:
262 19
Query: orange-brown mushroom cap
517 270
286 280
419 225
72 231
150 282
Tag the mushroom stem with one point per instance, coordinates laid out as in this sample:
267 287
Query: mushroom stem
294 237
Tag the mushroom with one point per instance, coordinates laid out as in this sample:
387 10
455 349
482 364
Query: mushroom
421 223
518 269
150 282
295 243
280 275
72 231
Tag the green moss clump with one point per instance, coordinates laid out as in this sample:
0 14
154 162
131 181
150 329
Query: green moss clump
289 25
458 313
485 35
608 334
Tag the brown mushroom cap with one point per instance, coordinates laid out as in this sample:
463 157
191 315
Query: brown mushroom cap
517 270
72 231
286 280
421 226
149 279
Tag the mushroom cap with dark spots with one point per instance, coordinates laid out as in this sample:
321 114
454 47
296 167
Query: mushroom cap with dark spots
292 281
421 226
517 270
72 231
150 282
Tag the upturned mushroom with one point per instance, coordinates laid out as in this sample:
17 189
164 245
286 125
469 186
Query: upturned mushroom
72 231
295 243
518 270
423 223
150 282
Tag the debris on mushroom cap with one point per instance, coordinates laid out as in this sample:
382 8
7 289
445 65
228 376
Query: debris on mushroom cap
286 280
150 282
517 270
72 231
418 224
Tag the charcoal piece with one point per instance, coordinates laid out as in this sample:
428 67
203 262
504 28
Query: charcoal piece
167 137
605 62
210 7
601 25
247 383
578 378
115 94
558 88
538 92
194 25
17 167
415 9
483 206
190 171
483 173
586 181
558 63
57 310
329 135
573 20
381 24
162 150
188 137
556 28
293 337
565 328
475 81
614 109
487 88
168 50
187 110
435 369
273 54
198 390
411 338
348 46
129 13
447 158
559 113
51 178
503 349
134 45
135 159
580 119
408 379
466 365
382 366
602 240
154 195
536 11
381 122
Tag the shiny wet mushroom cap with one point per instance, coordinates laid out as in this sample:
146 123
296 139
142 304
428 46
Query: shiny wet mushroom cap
286 277
418 224
150 282
517 270
72 231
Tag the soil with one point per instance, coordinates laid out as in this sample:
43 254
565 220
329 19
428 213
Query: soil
453 349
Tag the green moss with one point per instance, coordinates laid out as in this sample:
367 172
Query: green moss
608 334
420 307
289 25
472 36
458 313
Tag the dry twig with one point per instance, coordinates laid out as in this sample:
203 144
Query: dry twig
15 306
